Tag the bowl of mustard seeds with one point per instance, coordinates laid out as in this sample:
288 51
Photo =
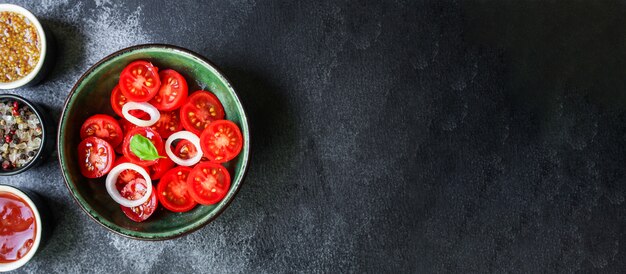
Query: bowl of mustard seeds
23 48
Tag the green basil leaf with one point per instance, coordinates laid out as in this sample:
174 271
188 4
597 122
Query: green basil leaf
143 148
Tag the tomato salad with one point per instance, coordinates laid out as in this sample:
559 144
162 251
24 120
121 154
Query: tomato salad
172 144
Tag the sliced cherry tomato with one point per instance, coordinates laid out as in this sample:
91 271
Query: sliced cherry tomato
126 125
95 156
127 175
185 149
162 166
135 189
221 141
168 124
119 149
118 100
149 133
103 127
200 110
139 81
172 190
208 183
173 91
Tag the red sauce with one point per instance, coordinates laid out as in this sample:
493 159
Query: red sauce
17 227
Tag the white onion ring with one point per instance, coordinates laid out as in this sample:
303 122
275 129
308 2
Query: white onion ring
115 194
186 135
154 113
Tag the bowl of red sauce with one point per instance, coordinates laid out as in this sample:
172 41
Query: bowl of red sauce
20 227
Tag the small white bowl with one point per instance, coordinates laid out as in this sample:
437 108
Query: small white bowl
38 227
42 43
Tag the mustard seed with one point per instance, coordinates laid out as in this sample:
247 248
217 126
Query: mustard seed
19 46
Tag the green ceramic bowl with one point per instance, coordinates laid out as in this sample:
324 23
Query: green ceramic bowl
91 95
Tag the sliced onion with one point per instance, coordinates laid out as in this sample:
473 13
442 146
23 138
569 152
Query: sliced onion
186 135
115 194
146 107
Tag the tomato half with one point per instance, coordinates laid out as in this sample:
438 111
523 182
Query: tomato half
221 141
200 110
135 189
162 166
118 100
168 124
119 149
173 91
172 190
185 149
149 133
208 183
139 81
126 176
95 156
103 127
126 125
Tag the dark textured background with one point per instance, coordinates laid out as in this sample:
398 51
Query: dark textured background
422 136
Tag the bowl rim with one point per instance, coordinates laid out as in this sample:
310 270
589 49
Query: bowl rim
228 84
43 46
43 134
38 225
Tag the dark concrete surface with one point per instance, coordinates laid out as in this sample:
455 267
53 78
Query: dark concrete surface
410 136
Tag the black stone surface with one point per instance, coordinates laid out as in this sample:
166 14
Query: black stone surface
412 136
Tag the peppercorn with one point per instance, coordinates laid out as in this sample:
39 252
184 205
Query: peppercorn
16 149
